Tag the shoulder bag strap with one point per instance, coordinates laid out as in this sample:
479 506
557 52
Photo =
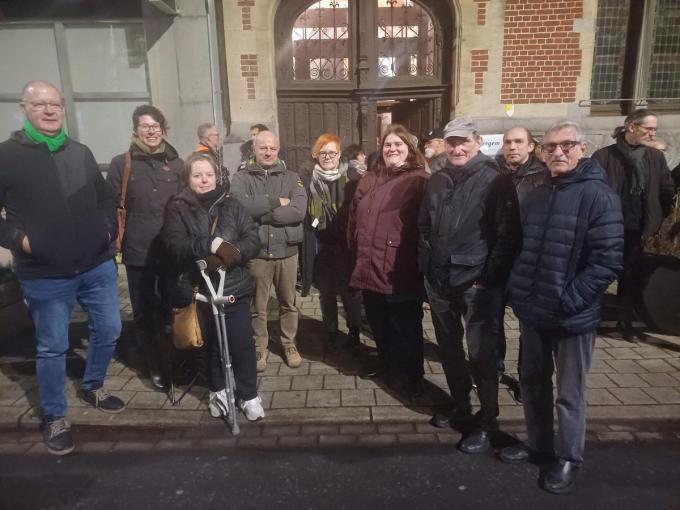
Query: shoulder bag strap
126 178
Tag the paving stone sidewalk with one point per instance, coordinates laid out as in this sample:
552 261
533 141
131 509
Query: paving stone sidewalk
633 394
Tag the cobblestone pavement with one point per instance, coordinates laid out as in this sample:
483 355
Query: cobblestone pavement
633 394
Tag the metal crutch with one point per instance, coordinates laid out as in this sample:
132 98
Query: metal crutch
217 301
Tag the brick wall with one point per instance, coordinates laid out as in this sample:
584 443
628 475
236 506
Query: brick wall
245 6
249 71
541 53
479 65
481 12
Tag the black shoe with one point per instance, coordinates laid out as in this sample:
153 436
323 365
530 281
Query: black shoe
475 442
57 435
520 453
157 382
560 477
103 400
460 414
625 327
373 373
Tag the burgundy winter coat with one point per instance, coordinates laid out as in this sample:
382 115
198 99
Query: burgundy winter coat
383 231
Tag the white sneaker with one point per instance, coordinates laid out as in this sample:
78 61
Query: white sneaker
217 404
252 408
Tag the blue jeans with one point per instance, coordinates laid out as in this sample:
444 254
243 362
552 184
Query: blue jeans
51 301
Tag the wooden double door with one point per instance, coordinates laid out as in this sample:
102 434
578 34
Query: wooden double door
343 65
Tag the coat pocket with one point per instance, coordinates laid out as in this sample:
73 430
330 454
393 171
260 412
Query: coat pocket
465 269
294 233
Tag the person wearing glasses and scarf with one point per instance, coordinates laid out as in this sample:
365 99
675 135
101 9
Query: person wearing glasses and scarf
639 175
327 259
154 178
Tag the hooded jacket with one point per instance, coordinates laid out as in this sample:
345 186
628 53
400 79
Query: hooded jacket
60 202
153 181
469 226
527 177
187 237
572 251
259 190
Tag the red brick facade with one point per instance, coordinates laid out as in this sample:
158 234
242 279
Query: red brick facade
245 6
481 12
541 51
480 65
249 72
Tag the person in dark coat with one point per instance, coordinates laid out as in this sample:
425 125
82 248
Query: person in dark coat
469 235
154 179
640 176
571 252
329 194
188 236
382 236
518 161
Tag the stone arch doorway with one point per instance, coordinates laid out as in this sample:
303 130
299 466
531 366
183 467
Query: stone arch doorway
344 66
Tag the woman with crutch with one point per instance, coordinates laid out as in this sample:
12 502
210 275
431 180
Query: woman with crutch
203 223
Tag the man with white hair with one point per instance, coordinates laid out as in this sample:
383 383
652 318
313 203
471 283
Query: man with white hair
571 252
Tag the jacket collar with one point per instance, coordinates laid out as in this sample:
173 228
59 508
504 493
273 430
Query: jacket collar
169 154
21 138
254 168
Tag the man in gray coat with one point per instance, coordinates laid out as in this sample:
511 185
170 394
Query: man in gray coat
277 201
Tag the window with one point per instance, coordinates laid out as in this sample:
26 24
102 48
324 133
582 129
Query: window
101 69
405 39
321 42
636 59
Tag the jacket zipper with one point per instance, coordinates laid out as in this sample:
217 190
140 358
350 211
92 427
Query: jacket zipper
540 248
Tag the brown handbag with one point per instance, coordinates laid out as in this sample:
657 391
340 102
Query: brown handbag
122 213
186 331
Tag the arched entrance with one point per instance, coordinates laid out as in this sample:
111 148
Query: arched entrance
350 66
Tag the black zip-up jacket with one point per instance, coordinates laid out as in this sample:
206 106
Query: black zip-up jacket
61 202
469 228
527 177
187 238
153 181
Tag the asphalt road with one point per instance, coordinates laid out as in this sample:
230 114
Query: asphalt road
616 476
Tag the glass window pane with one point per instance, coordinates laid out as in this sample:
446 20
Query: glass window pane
320 42
664 72
38 58
11 119
405 35
107 58
610 49
105 126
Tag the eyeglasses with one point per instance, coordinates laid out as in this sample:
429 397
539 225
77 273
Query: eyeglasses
565 146
329 155
41 107
646 129
150 127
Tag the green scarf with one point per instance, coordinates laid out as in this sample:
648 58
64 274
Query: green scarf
146 149
53 142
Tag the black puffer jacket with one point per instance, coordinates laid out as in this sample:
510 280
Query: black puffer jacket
187 238
469 227
527 177
153 181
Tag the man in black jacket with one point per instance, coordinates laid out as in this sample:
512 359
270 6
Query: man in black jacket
640 176
469 235
517 160
60 222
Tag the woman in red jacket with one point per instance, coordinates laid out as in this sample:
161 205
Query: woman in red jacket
383 237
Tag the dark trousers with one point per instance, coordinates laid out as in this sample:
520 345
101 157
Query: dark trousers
150 312
501 344
241 348
478 308
331 275
542 354
397 327
630 280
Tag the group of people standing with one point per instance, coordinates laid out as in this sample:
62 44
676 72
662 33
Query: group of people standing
540 230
